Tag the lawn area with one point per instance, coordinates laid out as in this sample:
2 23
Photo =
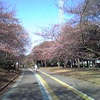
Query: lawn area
90 75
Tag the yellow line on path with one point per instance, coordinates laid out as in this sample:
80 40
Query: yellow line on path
51 93
84 96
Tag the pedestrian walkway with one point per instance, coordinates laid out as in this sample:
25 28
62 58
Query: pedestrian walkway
25 88
44 85
83 86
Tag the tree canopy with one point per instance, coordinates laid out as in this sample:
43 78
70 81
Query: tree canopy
13 37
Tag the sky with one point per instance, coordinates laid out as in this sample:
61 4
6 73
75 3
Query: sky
35 14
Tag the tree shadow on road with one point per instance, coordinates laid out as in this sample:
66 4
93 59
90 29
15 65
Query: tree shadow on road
29 91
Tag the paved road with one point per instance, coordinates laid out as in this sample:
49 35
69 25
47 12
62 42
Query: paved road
43 85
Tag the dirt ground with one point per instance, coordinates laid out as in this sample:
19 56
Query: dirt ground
91 75
6 77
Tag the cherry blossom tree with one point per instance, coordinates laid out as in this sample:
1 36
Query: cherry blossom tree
43 52
13 37
75 39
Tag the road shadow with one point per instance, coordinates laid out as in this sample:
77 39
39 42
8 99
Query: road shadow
26 89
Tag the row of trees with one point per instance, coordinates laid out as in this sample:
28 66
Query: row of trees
13 37
78 39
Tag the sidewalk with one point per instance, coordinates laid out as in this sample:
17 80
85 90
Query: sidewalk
83 86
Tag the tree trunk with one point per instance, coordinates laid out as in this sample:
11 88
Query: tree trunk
71 64
45 63
58 62
87 63
78 62
65 65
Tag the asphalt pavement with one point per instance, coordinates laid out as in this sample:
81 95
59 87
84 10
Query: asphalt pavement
25 88
44 85
87 88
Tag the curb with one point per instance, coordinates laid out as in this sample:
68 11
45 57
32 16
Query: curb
3 87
